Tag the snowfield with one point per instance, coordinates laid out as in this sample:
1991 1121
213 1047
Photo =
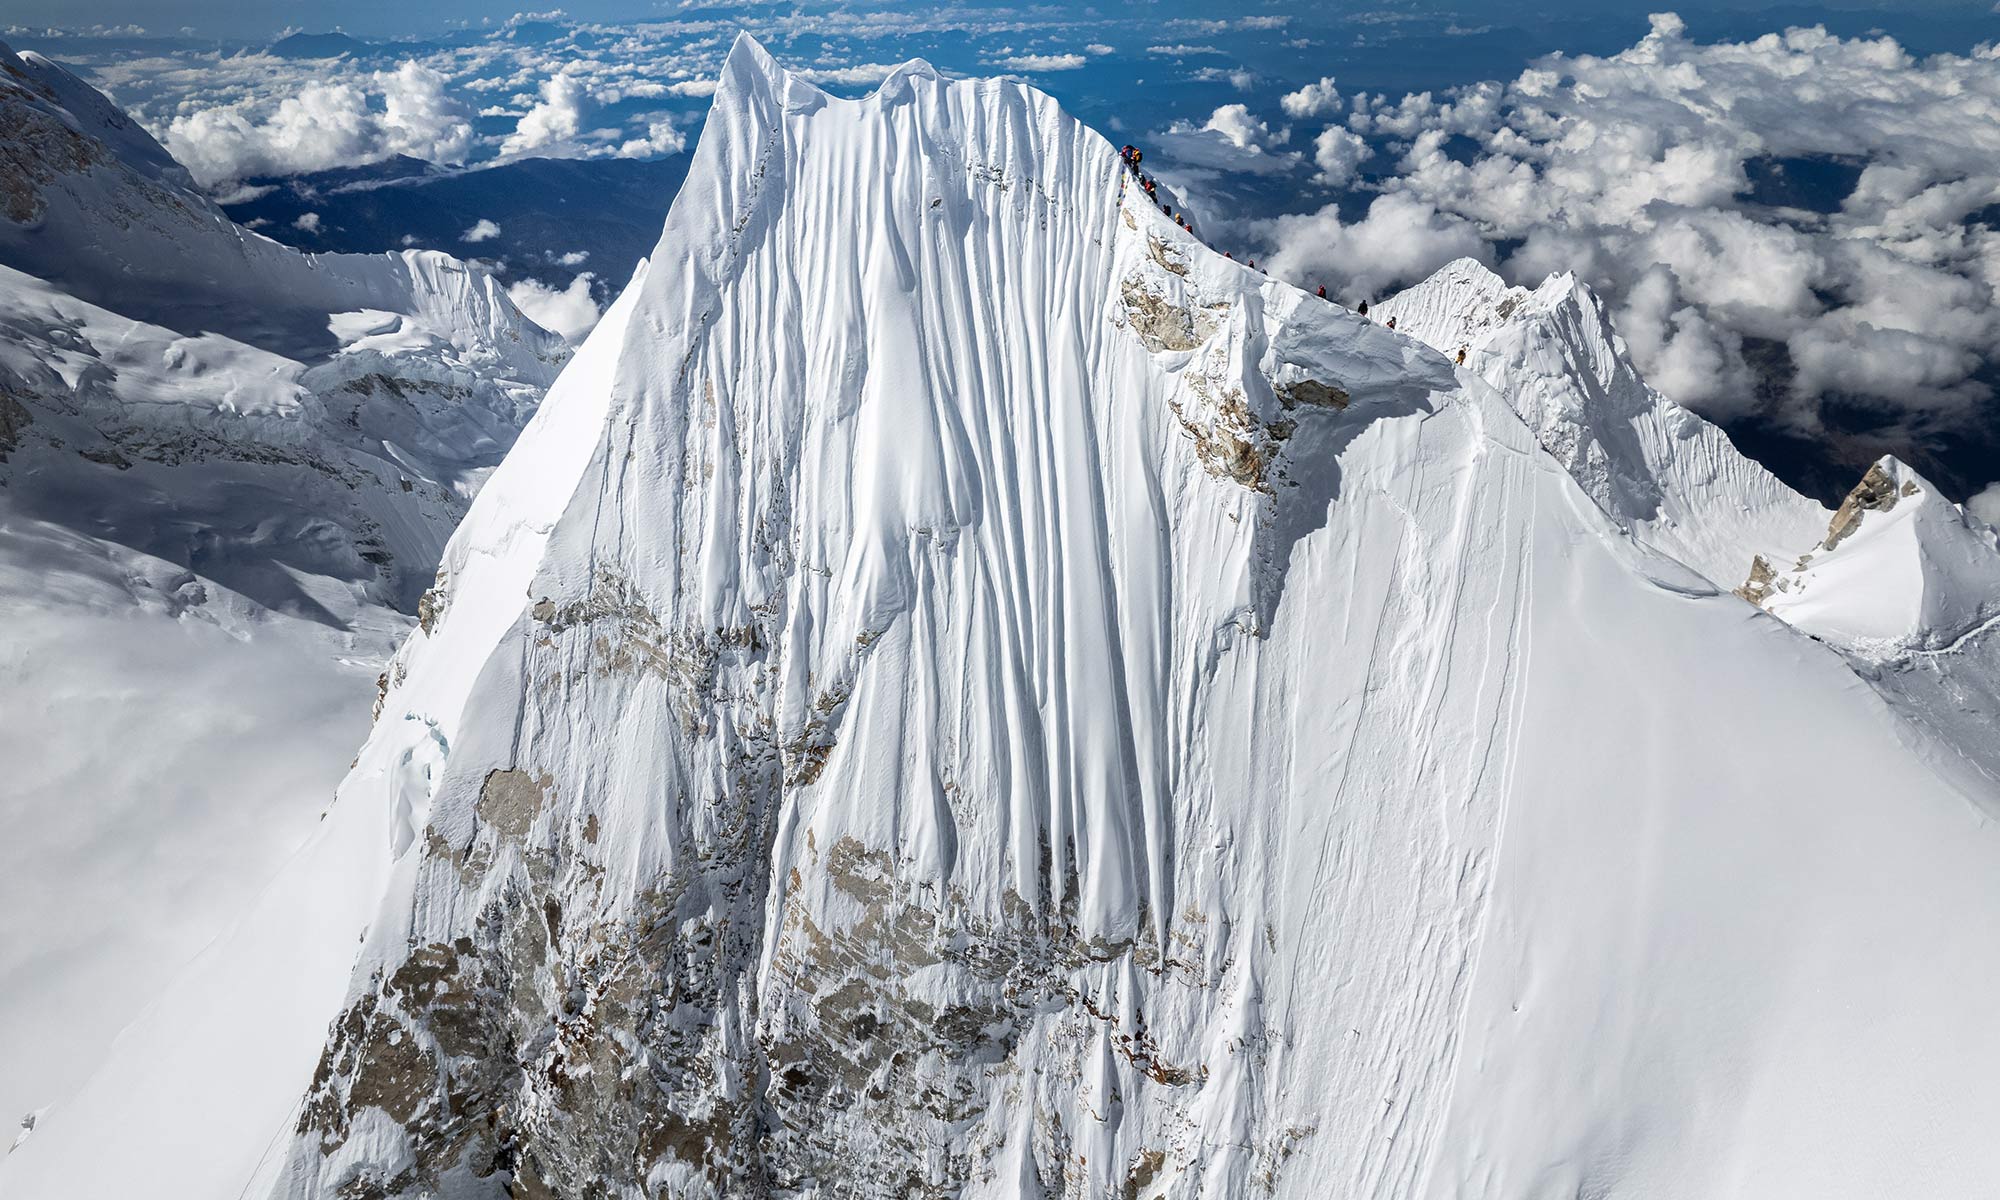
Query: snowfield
961 690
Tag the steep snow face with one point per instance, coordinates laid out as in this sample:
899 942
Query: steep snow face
1670 477
227 472
962 691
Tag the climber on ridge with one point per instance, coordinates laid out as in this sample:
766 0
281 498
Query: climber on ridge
1363 310
1322 291
1461 356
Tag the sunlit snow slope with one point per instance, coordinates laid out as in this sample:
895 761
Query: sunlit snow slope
962 691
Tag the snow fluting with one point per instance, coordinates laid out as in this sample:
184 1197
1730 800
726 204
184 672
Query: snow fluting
960 690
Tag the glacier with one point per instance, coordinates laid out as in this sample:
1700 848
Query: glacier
960 690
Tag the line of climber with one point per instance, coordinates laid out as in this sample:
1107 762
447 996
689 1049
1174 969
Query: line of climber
1131 156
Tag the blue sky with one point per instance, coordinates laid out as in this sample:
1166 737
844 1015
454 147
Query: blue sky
263 19
1800 243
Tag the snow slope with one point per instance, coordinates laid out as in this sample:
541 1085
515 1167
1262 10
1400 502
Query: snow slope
1910 598
1907 585
169 743
138 324
1899 565
961 690
227 471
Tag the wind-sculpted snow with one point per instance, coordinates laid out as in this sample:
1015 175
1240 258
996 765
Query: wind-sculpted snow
962 691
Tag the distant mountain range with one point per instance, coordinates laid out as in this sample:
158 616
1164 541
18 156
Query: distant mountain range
545 208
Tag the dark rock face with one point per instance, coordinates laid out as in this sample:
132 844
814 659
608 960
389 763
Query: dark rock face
1875 493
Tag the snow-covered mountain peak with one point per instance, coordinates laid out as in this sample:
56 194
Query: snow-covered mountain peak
1454 306
1660 471
962 690
37 91
1899 567
750 69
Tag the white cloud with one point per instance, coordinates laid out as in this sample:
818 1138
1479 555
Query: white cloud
1234 122
245 193
1686 355
1238 78
1636 170
1338 154
1231 141
662 138
307 222
858 75
574 258
1312 100
1098 48
1181 50
568 311
324 125
419 119
482 230
554 121
1398 241
1040 62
